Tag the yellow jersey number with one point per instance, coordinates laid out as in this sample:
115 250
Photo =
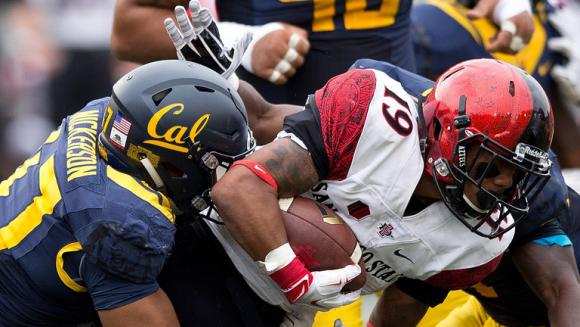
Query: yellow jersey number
356 16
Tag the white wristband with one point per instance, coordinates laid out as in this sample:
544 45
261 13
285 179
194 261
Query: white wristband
278 258
258 32
506 9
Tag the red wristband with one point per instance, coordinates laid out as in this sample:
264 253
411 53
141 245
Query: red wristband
294 279
259 170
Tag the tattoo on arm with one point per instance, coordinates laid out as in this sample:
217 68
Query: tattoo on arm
291 166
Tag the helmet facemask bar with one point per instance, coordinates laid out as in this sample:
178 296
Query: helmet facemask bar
531 173
215 164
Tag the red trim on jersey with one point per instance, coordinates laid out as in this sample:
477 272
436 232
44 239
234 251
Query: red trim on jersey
343 104
259 170
463 278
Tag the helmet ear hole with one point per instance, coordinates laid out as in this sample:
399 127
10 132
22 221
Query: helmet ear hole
171 170
436 128
158 97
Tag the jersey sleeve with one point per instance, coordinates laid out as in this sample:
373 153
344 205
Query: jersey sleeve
333 121
132 234
109 291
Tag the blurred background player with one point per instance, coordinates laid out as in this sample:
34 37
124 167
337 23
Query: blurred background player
338 33
555 66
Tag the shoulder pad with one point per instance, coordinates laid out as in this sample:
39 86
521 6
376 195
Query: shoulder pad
134 247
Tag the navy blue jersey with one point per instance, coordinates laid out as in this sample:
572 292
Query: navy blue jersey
339 31
505 294
443 36
75 234
324 19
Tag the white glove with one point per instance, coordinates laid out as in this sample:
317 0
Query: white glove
325 291
567 75
308 291
197 39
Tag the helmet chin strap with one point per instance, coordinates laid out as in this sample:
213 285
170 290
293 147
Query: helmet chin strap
475 210
152 173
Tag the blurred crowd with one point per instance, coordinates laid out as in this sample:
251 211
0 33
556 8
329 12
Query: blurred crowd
54 57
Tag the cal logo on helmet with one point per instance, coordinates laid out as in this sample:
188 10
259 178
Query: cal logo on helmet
174 137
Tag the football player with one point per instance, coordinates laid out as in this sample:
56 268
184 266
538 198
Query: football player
349 153
464 165
449 20
88 221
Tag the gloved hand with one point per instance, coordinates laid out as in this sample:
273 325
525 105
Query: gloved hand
276 51
514 18
309 291
197 39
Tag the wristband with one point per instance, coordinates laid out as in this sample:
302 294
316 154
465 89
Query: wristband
294 280
258 33
259 171
278 258
506 9
286 269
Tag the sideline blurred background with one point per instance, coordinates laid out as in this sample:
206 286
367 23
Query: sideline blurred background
54 57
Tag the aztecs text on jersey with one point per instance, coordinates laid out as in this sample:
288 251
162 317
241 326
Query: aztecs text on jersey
75 234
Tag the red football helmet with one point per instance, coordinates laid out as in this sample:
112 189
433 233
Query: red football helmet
488 106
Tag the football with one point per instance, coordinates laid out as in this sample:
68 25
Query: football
320 238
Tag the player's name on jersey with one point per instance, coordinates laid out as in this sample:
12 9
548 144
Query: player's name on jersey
81 151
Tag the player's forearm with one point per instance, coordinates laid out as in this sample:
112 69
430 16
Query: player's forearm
265 119
551 273
247 197
154 310
138 34
249 208
562 306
